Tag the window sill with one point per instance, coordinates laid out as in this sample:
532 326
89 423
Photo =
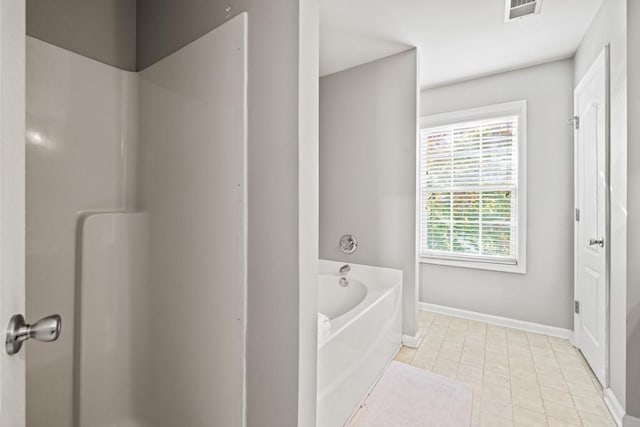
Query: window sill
519 268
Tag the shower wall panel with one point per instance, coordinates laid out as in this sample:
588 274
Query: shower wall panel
193 186
282 240
113 335
80 155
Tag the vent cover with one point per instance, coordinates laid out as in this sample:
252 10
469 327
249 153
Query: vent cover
516 9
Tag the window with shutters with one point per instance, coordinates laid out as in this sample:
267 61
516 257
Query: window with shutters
473 188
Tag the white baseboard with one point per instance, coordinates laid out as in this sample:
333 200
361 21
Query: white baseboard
614 406
412 341
630 421
500 321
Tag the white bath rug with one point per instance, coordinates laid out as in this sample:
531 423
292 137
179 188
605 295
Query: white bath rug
410 397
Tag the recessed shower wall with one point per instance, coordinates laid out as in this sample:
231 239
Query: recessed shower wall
136 235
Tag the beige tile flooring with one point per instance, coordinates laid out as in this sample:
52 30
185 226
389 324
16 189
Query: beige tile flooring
518 378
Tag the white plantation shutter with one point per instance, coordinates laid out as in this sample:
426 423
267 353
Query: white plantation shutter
469 190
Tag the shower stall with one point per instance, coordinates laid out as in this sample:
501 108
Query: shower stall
150 212
136 215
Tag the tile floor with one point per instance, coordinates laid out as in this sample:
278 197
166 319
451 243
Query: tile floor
518 378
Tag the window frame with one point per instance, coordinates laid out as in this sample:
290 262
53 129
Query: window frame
514 108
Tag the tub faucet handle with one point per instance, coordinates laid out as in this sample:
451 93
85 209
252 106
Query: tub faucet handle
345 269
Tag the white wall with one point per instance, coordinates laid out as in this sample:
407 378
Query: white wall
308 200
368 122
610 27
545 294
193 186
80 148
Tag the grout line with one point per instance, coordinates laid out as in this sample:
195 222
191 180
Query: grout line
506 337
553 352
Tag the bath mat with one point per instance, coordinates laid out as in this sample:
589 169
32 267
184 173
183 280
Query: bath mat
410 397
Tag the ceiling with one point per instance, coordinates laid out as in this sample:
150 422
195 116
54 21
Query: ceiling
457 39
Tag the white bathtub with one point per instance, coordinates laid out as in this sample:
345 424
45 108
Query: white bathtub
365 334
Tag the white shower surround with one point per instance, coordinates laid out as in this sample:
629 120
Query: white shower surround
113 331
144 291
193 165
366 333
81 145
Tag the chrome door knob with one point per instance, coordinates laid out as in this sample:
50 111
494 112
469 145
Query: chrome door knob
18 331
599 242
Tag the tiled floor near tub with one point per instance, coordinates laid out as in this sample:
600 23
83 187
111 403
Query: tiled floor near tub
518 378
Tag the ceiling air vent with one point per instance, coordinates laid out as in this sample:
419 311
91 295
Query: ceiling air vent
516 9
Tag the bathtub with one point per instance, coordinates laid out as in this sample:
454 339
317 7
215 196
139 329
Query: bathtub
365 334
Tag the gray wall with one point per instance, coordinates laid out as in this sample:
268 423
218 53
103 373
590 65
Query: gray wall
273 323
368 124
103 30
633 204
545 294
610 27
164 26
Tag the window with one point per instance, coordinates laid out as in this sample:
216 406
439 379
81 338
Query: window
473 188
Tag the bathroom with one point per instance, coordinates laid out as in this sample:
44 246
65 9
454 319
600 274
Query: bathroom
236 210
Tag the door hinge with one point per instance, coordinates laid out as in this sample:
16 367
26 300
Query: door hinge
577 214
575 121
576 307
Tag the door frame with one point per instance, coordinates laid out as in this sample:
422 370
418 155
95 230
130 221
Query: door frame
12 203
601 60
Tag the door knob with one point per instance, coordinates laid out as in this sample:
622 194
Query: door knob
18 331
599 242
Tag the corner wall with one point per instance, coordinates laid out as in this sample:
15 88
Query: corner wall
279 282
545 293
368 145
193 187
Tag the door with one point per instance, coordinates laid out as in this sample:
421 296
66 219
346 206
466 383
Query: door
591 237
12 217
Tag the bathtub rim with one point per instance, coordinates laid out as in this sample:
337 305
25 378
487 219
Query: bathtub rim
379 283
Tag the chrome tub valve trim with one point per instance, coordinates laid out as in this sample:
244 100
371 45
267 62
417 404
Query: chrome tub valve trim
348 244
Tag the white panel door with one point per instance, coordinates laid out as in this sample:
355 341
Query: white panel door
590 103
12 219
